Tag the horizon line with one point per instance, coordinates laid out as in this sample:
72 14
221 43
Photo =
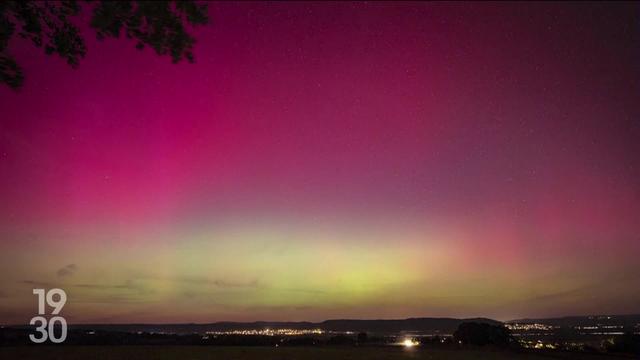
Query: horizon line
336 319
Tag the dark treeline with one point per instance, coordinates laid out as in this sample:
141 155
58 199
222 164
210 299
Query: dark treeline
15 336
475 335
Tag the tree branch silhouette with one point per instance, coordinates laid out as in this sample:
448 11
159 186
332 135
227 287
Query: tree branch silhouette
160 25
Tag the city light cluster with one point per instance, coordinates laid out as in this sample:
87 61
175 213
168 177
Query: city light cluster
538 344
269 332
528 327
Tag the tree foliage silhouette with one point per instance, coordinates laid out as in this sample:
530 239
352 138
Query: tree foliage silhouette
160 25
480 334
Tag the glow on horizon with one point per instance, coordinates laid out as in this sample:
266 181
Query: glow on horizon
408 343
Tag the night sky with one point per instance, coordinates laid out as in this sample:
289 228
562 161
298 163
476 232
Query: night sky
332 160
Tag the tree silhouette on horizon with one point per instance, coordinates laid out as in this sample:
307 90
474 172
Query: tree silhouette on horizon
480 334
160 25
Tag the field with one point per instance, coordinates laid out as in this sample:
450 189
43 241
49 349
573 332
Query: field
268 353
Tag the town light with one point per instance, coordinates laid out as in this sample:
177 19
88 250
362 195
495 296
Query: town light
410 343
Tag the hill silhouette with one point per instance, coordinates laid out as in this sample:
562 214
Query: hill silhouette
381 326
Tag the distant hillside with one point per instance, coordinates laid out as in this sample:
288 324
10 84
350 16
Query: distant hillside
418 325
422 325
589 320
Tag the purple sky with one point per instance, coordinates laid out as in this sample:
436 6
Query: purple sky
399 159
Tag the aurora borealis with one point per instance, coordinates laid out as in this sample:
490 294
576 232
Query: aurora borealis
332 160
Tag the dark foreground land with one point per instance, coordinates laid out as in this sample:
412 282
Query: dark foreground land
272 353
